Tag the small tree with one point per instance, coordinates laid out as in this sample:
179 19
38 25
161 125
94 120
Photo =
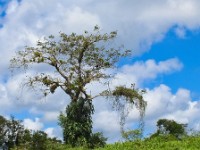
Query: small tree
132 135
39 139
97 140
76 60
171 127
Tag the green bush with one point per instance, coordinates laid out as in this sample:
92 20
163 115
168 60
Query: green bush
97 140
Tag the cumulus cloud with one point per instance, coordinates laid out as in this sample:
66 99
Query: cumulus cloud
142 71
5 103
28 21
49 132
51 115
139 23
179 106
54 132
33 124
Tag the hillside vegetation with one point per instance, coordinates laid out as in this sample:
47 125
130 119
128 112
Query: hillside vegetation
170 135
158 143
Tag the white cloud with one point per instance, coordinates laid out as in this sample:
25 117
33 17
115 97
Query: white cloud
5 103
51 116
140 24
49 132
12 7
54 132
29 21
106 120
142 71
180 32
20 99
179 106
33 124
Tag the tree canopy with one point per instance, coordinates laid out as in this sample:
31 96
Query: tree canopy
75 59
170 126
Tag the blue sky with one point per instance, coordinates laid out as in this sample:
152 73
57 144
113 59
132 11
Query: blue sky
164 36
187 50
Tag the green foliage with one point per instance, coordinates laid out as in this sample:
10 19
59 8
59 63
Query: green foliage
38 141
159 143
166 126
3 129
132 135
124 99
12 133
97 140
128 93
15 132
77 124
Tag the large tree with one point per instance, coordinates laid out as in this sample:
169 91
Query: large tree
76 60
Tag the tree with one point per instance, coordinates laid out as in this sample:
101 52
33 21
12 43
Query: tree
11 132
39 139
97 140
3 129
26 139
76 60
15 131
171 127
14 135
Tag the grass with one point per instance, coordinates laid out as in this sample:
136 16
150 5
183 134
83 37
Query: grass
159 143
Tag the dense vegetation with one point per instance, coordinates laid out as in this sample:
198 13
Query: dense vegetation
167 137
13 134
158 143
